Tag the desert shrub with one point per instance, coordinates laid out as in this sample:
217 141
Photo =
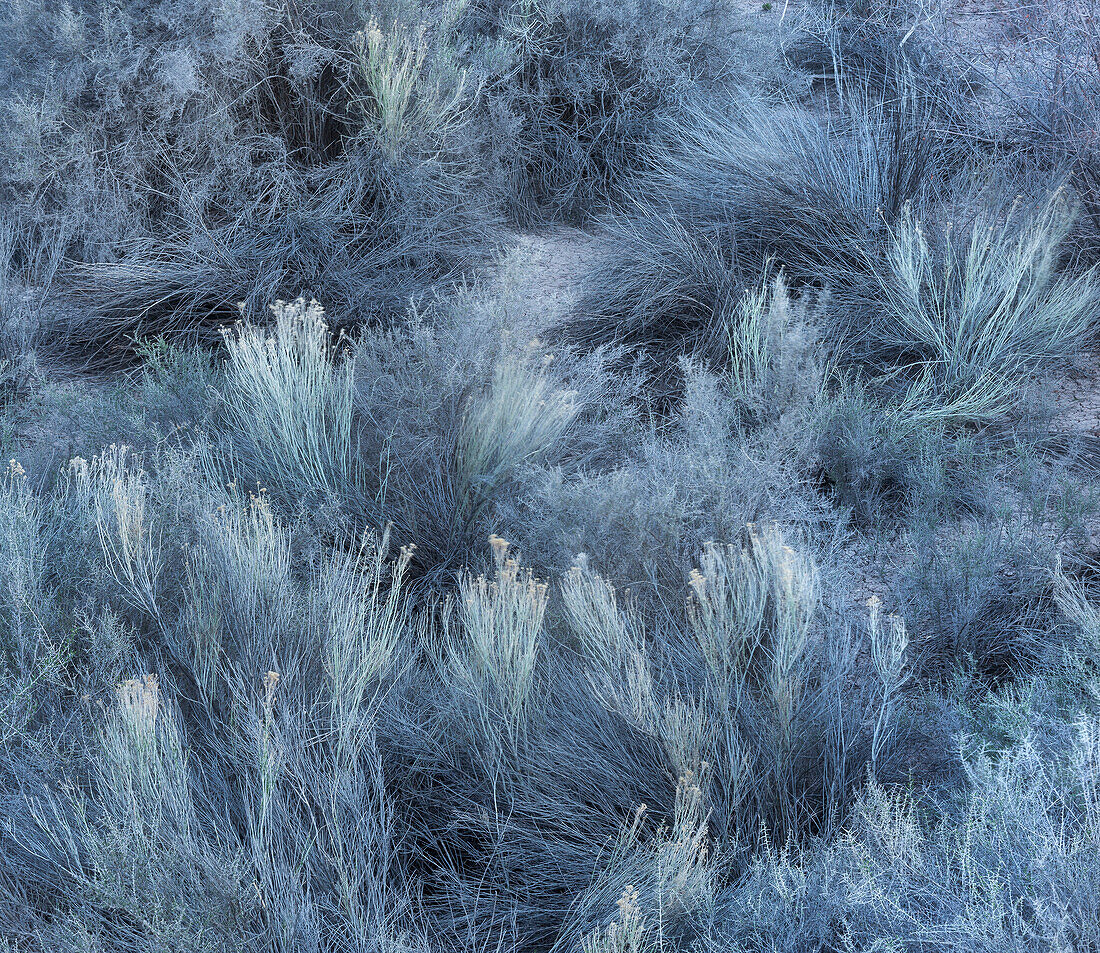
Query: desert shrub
386 451
912 874
581 86
428 427
262 683
946 358
980 598
721 729
320 717
362 153
664 884
170 401
356 770
289 402
32 655
887 48
679 293
772 344
177 388
880 460
752 615
979 592
192 163
721 461
452 416
951 329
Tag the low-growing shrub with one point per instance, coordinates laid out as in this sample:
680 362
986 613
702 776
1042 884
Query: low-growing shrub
911 873
721 461
980 598
879 460
583 85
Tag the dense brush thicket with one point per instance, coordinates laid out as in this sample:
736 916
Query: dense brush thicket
181 159
363 589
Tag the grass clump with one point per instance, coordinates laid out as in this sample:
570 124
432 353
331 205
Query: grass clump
738 184
980 317
289 399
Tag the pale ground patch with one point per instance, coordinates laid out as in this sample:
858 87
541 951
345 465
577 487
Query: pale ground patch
539 277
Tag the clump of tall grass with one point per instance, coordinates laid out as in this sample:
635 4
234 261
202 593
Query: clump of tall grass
970 321
660 286
519 419
289 400
762 676
733 185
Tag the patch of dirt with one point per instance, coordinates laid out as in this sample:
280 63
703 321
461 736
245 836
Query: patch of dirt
1077 399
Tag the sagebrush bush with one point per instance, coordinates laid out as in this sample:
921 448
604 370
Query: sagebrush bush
290 403
881 459
722 462
970 879
982 600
